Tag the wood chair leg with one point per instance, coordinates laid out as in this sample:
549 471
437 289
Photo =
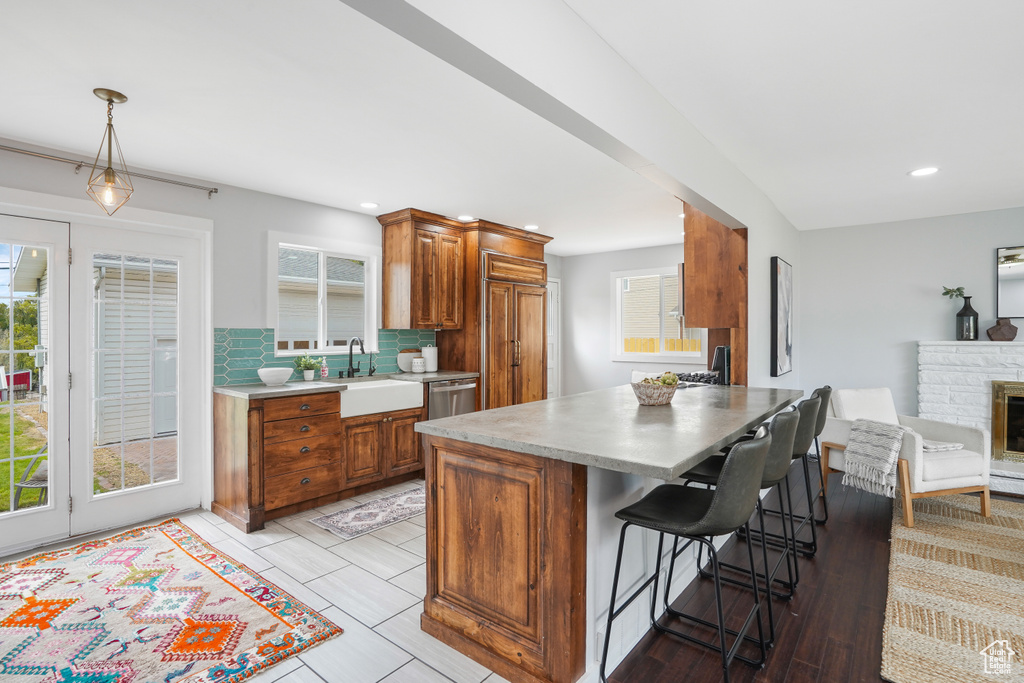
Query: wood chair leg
986 503
908 502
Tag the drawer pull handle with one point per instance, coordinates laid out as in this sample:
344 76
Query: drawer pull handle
304 449
304 406
305 480
304 428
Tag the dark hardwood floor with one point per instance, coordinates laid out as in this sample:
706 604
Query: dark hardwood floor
831 630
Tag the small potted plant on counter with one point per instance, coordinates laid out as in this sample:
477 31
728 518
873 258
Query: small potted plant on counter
308 365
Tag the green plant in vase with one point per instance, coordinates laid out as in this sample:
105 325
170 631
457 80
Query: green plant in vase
308 365
966 318
953 292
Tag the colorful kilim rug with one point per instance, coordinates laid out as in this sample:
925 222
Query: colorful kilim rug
154 604
374 515
955 610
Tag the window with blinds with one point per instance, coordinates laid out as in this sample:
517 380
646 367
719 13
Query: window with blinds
648 319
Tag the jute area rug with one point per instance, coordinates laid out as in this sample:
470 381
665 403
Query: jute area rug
377 514
151 604
955 610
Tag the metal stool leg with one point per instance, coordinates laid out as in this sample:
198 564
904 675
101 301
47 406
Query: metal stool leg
821 484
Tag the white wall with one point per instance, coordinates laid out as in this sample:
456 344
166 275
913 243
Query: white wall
241 221
870 293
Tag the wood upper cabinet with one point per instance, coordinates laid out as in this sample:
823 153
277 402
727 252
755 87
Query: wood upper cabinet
423 276
716 273
516 344
380 446
715 281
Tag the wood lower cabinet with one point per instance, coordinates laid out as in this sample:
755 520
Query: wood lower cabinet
277 456
506 559
381 445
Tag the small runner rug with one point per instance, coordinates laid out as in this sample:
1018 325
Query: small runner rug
152 604
955 611
374 515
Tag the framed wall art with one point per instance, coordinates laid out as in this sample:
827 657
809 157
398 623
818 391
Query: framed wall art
782 317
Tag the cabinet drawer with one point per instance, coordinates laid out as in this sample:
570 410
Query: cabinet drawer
301 428
298 454
514 269
301 406
296 487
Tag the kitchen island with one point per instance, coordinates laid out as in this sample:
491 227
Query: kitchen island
509 518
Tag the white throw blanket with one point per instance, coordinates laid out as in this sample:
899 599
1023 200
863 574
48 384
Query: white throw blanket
871 456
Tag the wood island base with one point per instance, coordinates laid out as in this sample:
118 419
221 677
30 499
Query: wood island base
506 559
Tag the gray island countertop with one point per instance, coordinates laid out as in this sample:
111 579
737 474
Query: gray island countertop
610 430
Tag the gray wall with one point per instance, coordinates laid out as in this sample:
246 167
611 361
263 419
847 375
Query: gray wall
241 221
870 293
587 310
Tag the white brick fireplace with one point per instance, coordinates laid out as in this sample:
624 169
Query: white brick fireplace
954 384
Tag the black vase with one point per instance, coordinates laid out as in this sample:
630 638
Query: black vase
967 322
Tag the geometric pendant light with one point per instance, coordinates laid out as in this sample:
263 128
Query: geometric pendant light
110 186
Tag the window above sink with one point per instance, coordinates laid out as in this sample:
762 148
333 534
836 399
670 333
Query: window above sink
322 292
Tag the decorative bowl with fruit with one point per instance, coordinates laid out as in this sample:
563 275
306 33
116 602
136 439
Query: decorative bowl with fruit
656 391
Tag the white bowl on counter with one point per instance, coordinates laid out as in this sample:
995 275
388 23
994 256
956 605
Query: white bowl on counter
274 377
405 359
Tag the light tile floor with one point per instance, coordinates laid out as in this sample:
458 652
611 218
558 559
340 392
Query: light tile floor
372 586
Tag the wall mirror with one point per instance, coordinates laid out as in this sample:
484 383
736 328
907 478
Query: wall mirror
1010 282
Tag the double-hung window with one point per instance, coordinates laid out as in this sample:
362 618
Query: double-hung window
322 295
649 324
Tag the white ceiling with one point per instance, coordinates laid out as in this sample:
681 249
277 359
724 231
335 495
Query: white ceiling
824 112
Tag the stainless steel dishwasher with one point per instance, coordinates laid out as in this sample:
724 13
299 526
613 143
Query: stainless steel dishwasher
451 397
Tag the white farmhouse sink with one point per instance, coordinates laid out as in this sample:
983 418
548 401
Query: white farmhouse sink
380 396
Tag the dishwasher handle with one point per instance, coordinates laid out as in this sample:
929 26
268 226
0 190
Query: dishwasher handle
450 387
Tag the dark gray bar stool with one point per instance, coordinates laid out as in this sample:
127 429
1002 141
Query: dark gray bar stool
825 394
783 429
697 516
808 411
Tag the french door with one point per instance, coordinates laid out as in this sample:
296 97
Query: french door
34 462
135 360
99 332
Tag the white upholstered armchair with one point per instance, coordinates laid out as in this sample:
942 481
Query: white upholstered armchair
921 474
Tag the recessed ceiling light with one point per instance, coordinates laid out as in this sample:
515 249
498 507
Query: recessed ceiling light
369 205
682 215
917 173
466 219
531 227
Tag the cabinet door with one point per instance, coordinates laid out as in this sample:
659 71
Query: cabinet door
362 448
500 350
530 378
404 451
425 280
450 295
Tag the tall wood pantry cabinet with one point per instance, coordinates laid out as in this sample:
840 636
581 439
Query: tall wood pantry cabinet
482 286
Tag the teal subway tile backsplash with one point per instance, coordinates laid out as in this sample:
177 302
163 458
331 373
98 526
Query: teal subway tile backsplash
238 352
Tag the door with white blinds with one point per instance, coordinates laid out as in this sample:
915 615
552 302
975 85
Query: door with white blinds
134 363
34 472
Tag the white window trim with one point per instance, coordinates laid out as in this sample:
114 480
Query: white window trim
620 356
370 254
